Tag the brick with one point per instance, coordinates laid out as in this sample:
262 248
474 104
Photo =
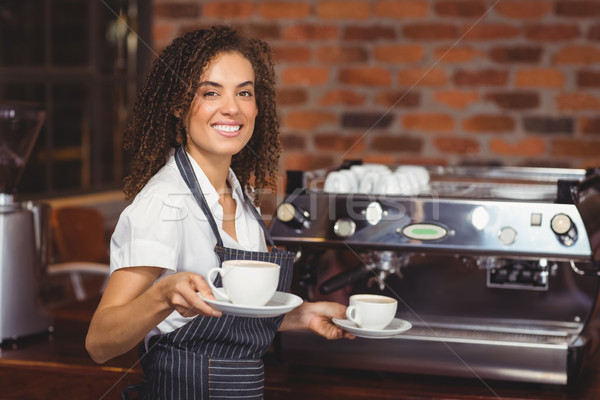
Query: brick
310 32
265 31
422 77
365 76
161 32
366 120
291 53
530 146
540 78
460 8
487 77
519 9
456 145
551 32
400 9
228 9
579 9
590 125
309 119
578 101
459 54
518 54
342 54
368 33
293 142
594 32
344 9
305 76
379 159
430 31
398 98
588 79
289 96
489 123
176 10
582 54
428 122
575 147
342 97
456 98
339 143
399 53
489 32
515 100
548 124
284 9
411 159
306 162
395 143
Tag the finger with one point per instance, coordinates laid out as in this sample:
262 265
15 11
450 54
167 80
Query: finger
197 304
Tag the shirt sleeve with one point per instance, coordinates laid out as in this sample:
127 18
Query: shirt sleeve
147 234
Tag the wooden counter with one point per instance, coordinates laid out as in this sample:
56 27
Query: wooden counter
56 366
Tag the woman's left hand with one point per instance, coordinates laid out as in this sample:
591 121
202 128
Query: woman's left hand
317 317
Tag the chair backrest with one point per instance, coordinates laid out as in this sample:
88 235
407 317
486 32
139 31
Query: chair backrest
79 234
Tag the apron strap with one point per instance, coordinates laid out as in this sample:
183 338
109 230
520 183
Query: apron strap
187 172
261 222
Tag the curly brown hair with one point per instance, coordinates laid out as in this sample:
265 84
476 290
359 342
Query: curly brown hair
154 127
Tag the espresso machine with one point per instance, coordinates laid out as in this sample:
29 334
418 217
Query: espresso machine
496 268
20 257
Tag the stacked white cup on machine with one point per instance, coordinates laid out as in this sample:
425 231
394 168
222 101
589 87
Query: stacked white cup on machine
406 180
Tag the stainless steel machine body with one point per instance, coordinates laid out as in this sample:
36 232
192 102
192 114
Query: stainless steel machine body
496 268
21 314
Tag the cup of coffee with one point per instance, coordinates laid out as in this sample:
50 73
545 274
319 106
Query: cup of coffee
245 282
371 311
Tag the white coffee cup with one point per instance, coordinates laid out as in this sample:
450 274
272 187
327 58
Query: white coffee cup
342 181
245 282
371 311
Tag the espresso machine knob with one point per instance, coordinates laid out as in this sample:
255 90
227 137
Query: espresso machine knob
292 215
564 229
344 227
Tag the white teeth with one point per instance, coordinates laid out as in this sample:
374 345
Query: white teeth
227 128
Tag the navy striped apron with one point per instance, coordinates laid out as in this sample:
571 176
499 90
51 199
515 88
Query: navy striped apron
214 358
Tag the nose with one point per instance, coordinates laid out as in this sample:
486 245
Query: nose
230 105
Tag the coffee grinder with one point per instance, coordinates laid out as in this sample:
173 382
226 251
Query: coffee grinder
21 313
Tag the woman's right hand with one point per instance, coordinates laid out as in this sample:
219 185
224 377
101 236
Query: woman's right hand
134 302
183 291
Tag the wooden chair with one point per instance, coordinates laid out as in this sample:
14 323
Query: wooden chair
81 246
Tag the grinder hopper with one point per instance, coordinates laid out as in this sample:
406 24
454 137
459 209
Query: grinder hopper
19 129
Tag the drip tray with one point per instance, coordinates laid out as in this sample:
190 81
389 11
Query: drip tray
554 358
483 335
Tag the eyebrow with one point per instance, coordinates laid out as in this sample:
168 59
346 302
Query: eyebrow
215 84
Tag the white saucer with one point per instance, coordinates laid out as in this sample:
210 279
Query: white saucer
279 304
396 327
522 192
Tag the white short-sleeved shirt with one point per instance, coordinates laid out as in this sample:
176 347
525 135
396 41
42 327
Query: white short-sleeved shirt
165 227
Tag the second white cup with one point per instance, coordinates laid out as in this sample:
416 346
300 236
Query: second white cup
371 311
245 282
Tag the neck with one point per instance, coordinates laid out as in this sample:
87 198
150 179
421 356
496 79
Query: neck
216 170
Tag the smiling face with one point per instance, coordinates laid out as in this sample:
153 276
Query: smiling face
222 115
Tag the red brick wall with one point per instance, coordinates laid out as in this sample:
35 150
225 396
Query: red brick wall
513 82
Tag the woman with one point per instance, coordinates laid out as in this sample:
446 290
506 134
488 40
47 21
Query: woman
204 127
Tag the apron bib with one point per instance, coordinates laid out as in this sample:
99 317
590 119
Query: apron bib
214 357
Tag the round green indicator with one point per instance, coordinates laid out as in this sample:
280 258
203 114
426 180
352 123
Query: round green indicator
424 231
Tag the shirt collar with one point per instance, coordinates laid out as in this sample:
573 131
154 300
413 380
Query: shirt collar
210 193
